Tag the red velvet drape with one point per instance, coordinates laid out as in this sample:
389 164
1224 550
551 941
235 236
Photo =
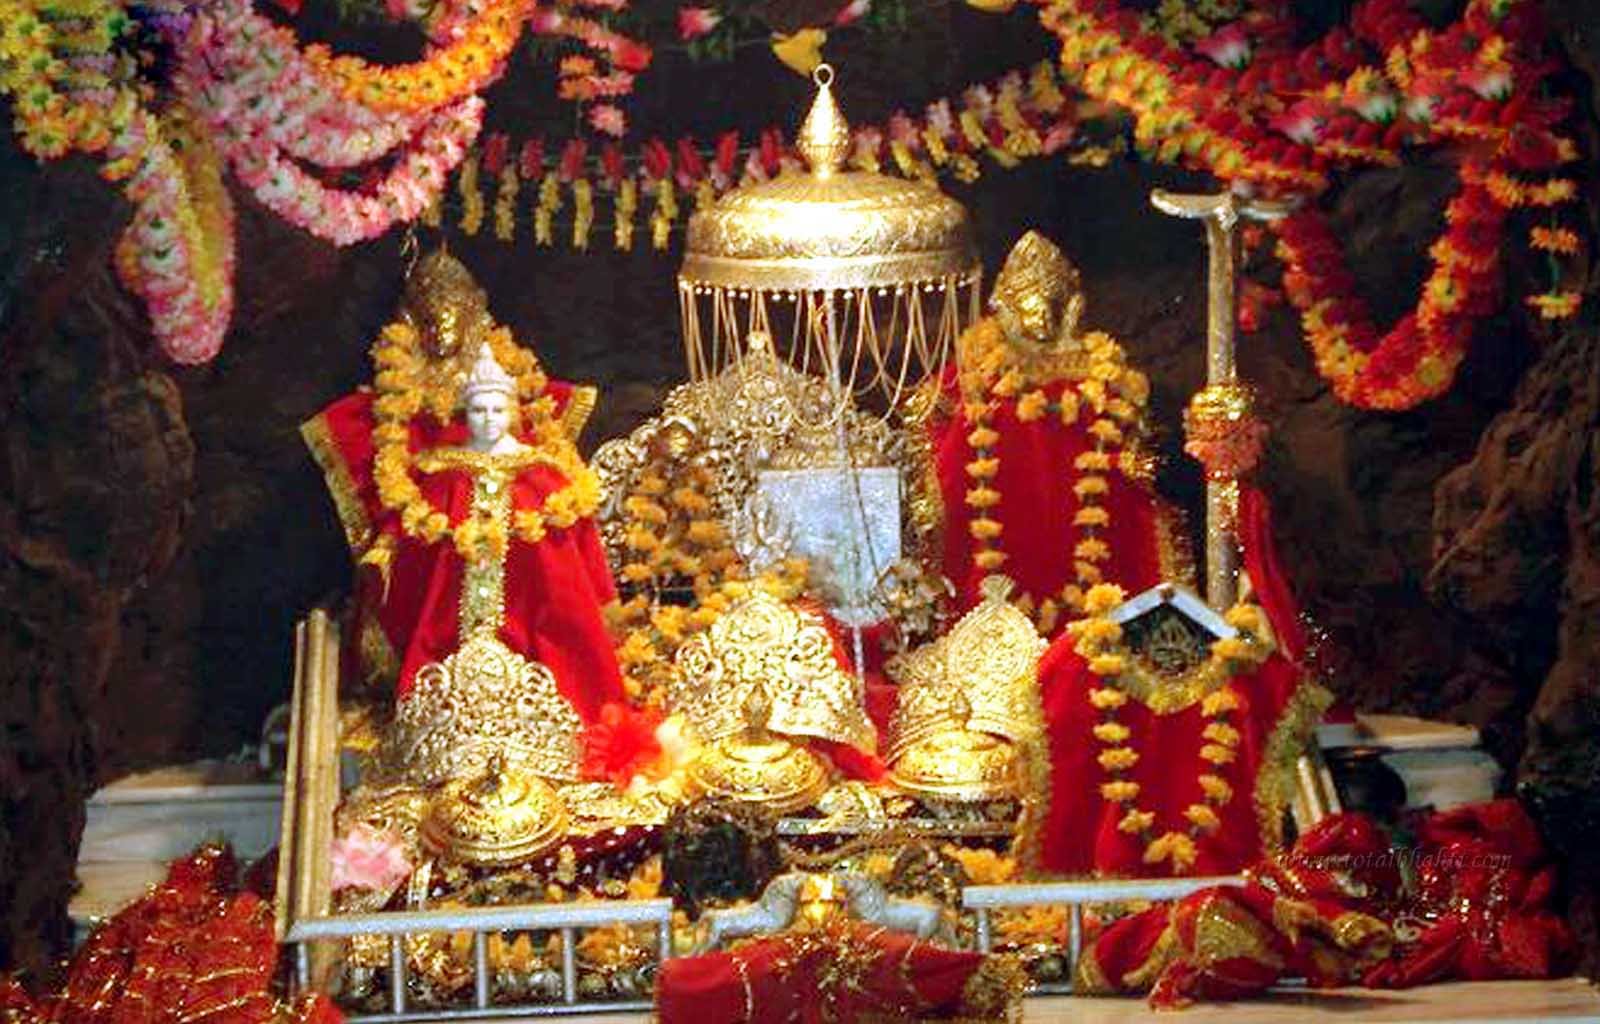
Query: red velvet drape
555 590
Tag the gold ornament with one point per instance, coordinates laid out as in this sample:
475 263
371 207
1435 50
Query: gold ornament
756 767
481 703
498 818
763 643
966 701
449 311
825 256
1038 295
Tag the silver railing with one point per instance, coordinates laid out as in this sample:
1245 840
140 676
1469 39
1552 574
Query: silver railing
984 900
481 922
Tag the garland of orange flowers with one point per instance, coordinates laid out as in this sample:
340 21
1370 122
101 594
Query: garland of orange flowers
404 391
1110 392
1261 116
673 533
1099 642
463 67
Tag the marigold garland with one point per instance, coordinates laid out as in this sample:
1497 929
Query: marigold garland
1022 114
1098 640
403 394
682 573
1110 393
1243 105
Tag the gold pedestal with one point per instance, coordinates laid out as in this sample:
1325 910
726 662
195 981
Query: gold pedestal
767 772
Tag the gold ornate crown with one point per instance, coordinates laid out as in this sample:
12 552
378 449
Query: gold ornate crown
487 375
484 702
1037 294
980 676
762 643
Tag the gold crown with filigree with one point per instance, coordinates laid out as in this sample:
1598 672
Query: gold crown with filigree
438 280
980 677
1039 291
763 644
481 705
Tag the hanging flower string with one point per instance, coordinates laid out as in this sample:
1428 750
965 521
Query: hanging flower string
1243 105
1023 114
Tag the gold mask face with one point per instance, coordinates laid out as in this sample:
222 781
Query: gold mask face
448 306
1037 295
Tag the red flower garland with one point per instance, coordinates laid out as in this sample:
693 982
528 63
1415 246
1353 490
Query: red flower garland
1263 117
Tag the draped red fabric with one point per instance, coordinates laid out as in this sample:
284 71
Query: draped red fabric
1332 911
843 973
1485 895
1079 833
555 590
1037 505
1270 583
1295 917
193 948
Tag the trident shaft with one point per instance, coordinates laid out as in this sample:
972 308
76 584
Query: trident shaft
1221 213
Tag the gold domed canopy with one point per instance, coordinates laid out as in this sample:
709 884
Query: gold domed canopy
828 228
850 250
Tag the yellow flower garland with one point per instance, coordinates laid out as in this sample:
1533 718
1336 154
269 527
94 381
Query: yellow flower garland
405 390
673 532
1110 391
1099 642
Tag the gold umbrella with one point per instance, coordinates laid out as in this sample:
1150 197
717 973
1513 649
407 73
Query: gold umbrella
863 278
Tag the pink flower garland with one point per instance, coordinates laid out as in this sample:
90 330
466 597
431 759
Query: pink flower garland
248 76
159 257
346 217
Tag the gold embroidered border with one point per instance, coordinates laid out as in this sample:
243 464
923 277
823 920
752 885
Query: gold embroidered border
580 406
1035 754
346 501
1275 779
483 580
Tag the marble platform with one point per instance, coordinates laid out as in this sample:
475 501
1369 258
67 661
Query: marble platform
1441 763
136 825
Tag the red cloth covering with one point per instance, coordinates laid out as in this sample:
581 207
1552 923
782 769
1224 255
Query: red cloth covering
1482 910
1037 505
1267 578
1332 911
840 972
555 590
1078 834
193 948
1294 917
